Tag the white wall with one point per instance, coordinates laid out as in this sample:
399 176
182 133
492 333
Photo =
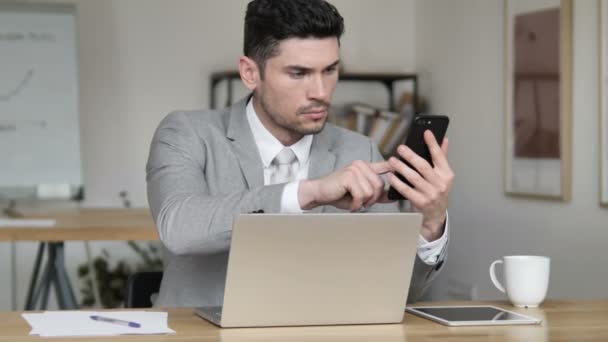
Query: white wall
460 52
140 59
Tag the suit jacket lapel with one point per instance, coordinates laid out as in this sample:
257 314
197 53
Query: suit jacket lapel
244 145
322 159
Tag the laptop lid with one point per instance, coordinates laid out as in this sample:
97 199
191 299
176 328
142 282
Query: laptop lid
319 269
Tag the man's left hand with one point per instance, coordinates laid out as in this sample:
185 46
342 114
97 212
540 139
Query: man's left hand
432 185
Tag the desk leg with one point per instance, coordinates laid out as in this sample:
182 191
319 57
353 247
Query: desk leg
45 289
41 287
13 276
65 293
29 300
54 274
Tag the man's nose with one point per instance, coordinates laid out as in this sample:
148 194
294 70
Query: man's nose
317 88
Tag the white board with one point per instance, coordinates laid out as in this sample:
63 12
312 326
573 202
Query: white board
39 115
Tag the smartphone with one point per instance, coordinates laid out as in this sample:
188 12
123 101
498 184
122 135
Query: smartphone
438 125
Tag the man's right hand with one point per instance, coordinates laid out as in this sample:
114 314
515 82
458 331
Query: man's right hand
356 186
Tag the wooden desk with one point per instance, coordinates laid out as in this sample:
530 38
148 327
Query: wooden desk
562 321
74 225
87 225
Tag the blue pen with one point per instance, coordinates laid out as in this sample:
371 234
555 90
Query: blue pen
116 321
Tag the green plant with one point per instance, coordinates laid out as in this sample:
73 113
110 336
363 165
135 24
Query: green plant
112 281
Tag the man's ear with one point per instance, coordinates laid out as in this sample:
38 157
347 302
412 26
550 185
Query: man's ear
250 73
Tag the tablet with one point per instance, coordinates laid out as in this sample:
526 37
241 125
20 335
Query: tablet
471 315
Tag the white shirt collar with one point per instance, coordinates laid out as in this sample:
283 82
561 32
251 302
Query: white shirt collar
268 145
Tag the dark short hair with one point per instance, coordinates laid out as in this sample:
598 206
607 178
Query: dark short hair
268 22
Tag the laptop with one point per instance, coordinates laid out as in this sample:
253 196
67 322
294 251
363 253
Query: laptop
317 269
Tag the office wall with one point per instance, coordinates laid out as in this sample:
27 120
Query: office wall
460 52
140 59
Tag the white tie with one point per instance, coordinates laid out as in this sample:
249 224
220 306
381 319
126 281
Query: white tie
282 167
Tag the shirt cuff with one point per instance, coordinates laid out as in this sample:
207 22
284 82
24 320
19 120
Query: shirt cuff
289 199
430 252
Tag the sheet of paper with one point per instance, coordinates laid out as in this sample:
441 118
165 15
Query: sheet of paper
79 323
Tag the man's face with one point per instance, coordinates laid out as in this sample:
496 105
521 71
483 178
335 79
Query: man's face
293 97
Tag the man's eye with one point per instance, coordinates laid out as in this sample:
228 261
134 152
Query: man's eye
331 70
297 74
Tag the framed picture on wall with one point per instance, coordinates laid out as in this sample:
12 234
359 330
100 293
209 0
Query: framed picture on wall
538 64
603 82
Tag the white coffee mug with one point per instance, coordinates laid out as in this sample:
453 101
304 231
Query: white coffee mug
526 278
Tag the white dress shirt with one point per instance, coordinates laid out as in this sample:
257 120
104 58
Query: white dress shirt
269 147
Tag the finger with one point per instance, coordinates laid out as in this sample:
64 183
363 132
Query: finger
374 181
444 146
405 190
418 200
380 168
370 184
352 198
358 187
357 199
344 202
418 165
445 171
368 191
437 154
412 176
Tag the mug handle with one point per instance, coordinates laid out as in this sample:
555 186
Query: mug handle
493 276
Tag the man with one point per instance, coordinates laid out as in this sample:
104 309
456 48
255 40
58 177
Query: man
274 152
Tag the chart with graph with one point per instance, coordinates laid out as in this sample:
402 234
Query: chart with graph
39 115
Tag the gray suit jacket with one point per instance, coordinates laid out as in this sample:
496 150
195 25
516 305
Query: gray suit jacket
203 170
